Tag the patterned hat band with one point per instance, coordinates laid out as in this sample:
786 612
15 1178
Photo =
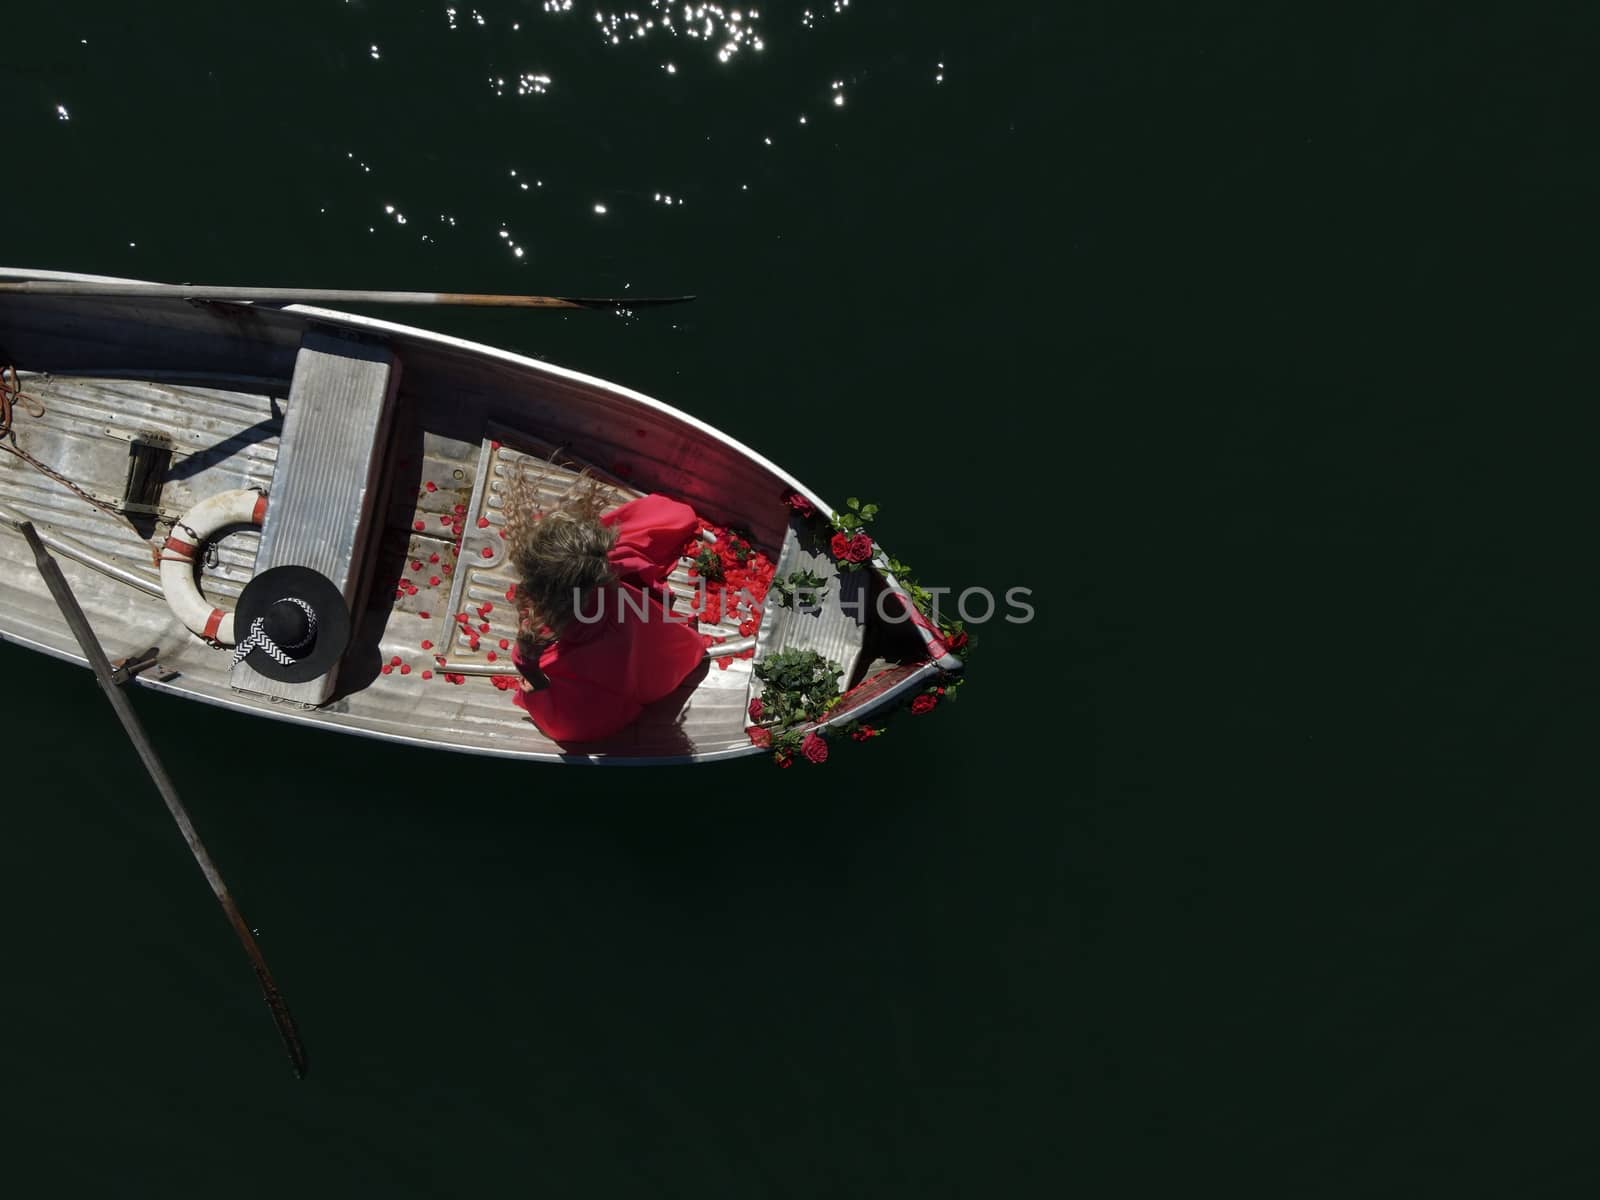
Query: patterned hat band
259 639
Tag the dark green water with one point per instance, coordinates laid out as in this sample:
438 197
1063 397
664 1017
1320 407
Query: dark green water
1258 344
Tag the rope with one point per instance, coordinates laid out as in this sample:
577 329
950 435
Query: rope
11 394
258 639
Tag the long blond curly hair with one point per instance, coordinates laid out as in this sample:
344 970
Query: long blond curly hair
559 551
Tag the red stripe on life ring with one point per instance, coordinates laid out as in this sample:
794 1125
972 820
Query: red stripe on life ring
259 513
181 548
214 621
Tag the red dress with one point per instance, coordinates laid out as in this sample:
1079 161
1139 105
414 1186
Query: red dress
622 649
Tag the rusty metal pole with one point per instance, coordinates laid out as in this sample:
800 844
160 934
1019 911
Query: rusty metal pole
79 624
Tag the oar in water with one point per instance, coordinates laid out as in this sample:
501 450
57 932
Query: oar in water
79 624
262 295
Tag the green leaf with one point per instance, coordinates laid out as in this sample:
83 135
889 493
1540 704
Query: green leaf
853 502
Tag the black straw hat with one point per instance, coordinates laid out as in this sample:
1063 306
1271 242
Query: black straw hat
292 624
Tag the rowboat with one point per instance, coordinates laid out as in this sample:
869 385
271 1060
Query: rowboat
383 456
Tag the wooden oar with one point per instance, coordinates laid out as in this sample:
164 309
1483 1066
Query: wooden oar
68 603
185 291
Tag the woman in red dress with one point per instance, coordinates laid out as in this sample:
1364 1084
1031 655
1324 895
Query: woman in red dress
599 640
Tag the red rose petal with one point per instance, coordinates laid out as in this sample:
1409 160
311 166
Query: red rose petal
433 581
488 551
387 669
486 608
395 661
505 644
419 526
483 522
484 628
426 644
431 486
427 674
460 509
491 656
405 668
433 558
423 615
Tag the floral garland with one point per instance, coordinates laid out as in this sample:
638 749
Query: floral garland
800 687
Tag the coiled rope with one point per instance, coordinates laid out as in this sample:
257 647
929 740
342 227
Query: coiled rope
11 397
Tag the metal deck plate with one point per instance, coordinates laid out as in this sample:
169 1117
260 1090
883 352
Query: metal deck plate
322 500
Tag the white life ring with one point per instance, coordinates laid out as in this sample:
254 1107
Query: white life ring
243 506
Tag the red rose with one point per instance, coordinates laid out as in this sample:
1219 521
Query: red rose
755 708
783 758
958 639
759 736
840 546
924 703
800 504
865 734
814 748
860 548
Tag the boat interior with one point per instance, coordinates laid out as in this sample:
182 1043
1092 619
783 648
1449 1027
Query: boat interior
389 458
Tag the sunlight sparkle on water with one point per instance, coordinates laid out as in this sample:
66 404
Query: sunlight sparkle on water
730 31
